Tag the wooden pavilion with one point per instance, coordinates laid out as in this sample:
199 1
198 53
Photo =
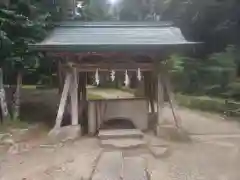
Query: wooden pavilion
82 47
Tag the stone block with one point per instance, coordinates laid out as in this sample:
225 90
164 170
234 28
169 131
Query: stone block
6 139
159 151
172 133
156 141
65 133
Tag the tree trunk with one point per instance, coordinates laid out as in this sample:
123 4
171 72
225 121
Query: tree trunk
4 108
16 108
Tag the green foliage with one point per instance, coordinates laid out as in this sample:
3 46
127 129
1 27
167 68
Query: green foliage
20 24
216 23
5 45
215 75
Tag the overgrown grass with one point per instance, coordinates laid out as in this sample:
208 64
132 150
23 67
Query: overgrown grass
37 106
206 103
94 96
10 124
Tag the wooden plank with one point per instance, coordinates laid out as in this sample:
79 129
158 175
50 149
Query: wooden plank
63 100
92 122
98 113
74 97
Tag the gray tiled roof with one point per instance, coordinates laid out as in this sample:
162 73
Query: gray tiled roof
93 36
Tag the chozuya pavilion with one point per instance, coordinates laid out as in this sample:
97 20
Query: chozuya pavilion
128 47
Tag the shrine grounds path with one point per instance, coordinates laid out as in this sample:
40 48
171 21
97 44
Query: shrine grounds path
213 154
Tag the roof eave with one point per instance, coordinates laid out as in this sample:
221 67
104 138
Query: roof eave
108 47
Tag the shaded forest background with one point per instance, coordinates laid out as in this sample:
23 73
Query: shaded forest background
213 70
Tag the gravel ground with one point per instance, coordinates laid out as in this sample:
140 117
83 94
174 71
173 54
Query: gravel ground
214 154
214 158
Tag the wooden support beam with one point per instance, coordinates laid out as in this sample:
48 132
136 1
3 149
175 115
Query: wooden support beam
74 97
171 100
160 98
63 100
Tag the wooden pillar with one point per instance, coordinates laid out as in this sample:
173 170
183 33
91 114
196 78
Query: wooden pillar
84 87
160 98
148 90
74 97
60 76
68 80
82 96
152 95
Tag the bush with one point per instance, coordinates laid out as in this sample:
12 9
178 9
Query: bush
234 90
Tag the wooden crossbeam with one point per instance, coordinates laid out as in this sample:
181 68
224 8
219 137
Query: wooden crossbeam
113 66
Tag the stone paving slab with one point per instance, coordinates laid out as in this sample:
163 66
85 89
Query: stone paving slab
134 168
120 133
109 166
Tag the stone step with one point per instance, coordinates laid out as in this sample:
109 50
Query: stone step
120 133
134 168
123 143
109 166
